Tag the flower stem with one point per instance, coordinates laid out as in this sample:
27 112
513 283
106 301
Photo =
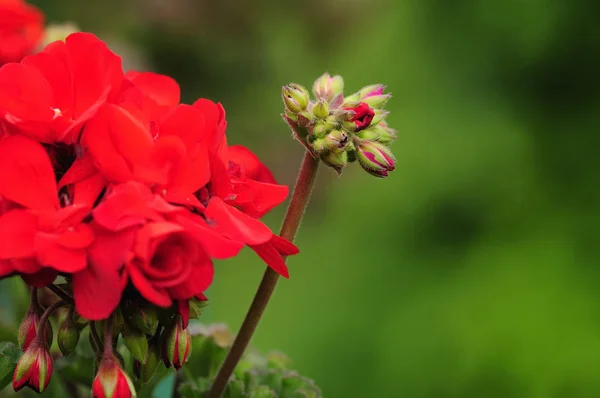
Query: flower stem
60 293
293 216
49 312
108 335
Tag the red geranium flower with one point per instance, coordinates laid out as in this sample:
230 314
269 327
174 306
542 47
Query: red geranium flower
50 95
21 29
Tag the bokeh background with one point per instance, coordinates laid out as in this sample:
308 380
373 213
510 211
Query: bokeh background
472 271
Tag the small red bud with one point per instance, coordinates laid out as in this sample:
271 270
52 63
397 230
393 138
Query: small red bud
176 345
112 381
30 326
34 369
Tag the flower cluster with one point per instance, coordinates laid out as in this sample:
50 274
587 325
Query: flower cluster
110 183
339 129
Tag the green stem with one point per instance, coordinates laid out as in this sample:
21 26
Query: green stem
295 211
60 293
41 336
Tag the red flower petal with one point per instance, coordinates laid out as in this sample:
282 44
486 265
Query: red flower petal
129 204
26 100
121 145
236 225
215 244
17 233
256 198
200 279
269 254
250 163
147 289
183 307
97 289
161 93
284 246
27 177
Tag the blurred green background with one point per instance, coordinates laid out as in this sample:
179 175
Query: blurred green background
472 271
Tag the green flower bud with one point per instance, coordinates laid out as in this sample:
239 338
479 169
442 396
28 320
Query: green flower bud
295 97
380 133
321 109
136 342
327 87
176 344
336 140
144 319
68 336
335 159
377 101
145 370
380 115
375 158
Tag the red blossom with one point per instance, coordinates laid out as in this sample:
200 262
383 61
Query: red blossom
50 95
21 29
148 190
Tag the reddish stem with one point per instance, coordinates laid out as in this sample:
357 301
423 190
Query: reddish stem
293 216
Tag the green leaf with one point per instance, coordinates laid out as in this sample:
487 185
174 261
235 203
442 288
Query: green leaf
9 356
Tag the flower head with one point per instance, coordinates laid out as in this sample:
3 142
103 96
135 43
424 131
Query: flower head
333 126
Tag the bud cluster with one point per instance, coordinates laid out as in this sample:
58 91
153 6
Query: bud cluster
340 130
152 335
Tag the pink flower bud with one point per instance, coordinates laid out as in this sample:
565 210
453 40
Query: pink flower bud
176 345
34 369
376 158
112 381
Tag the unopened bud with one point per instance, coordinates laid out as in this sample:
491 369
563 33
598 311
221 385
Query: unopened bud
34 369
176 345
30 327
295 97
136 342
370 91
145 370
336 140
327 87
379 116
375 158
380 133
321 109
111 381
68 336
144 319
336 160
377 101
